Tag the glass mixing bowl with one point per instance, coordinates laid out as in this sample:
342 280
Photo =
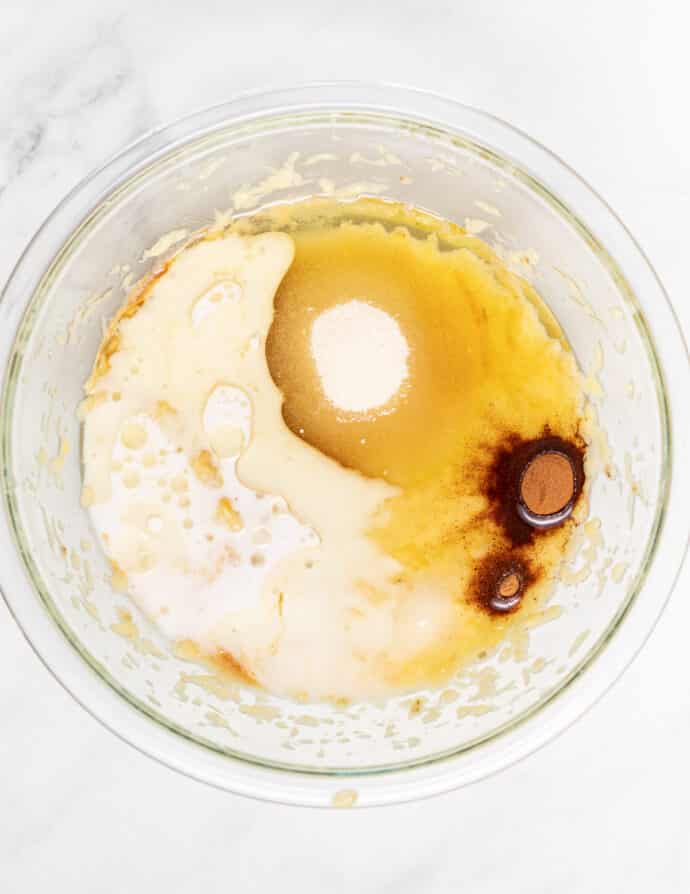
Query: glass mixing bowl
345 140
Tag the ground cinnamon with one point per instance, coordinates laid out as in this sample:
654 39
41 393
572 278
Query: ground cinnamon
548 483
509 585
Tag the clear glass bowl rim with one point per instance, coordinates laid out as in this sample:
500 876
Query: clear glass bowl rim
413 107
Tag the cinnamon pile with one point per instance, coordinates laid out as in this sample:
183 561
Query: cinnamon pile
548 483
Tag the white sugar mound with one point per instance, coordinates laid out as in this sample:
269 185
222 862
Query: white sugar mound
360 354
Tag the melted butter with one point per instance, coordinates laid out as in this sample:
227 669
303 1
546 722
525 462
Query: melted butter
486 362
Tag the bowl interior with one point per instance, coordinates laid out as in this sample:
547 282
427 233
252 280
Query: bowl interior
241 165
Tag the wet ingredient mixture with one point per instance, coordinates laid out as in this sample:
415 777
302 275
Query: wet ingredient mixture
334 451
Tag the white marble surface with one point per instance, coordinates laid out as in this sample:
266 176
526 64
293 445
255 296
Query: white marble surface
606 807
